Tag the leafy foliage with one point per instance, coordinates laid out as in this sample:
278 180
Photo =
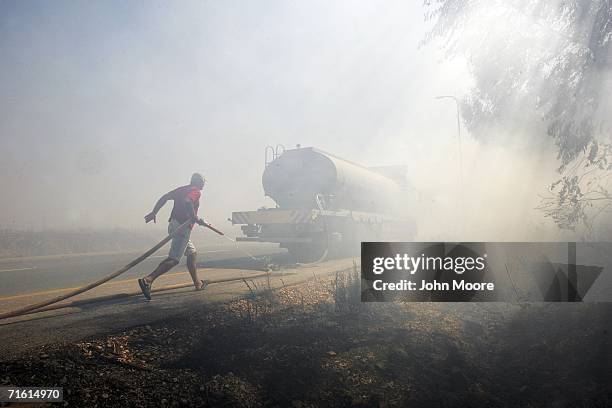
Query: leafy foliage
539 66
582 193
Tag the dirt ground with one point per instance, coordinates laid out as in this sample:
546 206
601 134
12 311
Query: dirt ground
314 345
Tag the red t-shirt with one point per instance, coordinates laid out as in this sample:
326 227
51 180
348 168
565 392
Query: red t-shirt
181 211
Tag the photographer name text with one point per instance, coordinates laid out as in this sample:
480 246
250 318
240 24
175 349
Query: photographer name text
410 265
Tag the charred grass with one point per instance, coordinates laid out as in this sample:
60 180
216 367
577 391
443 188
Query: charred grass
316 344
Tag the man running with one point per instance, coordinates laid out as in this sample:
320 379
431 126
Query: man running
186 202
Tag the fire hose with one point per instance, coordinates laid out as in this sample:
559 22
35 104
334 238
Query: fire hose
36 307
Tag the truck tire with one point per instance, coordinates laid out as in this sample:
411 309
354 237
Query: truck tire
308 253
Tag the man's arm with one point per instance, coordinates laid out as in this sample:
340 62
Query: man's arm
158 205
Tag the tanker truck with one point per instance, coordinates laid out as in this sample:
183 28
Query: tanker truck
326 205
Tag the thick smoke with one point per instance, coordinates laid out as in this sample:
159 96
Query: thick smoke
106 108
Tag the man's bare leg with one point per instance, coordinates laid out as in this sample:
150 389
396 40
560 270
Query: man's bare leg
162 268
192 267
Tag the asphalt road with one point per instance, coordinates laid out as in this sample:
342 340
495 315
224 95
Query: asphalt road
37 274
27 334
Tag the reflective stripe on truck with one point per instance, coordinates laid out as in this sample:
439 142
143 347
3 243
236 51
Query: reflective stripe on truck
273 216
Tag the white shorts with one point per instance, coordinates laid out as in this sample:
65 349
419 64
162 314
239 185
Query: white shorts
181 244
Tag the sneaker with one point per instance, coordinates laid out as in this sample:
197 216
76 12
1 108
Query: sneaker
145 287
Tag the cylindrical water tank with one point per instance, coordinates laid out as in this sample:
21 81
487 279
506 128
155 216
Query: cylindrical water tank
295 178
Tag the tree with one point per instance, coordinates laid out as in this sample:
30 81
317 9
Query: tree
540 66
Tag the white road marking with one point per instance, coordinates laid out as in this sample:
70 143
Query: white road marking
17 269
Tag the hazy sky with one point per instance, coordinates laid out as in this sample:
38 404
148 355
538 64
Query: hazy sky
106 105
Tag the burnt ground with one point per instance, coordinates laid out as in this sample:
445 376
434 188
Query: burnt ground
315 344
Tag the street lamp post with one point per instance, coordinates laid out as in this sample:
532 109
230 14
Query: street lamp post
454 98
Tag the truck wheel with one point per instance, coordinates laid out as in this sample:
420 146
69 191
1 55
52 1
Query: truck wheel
308 253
